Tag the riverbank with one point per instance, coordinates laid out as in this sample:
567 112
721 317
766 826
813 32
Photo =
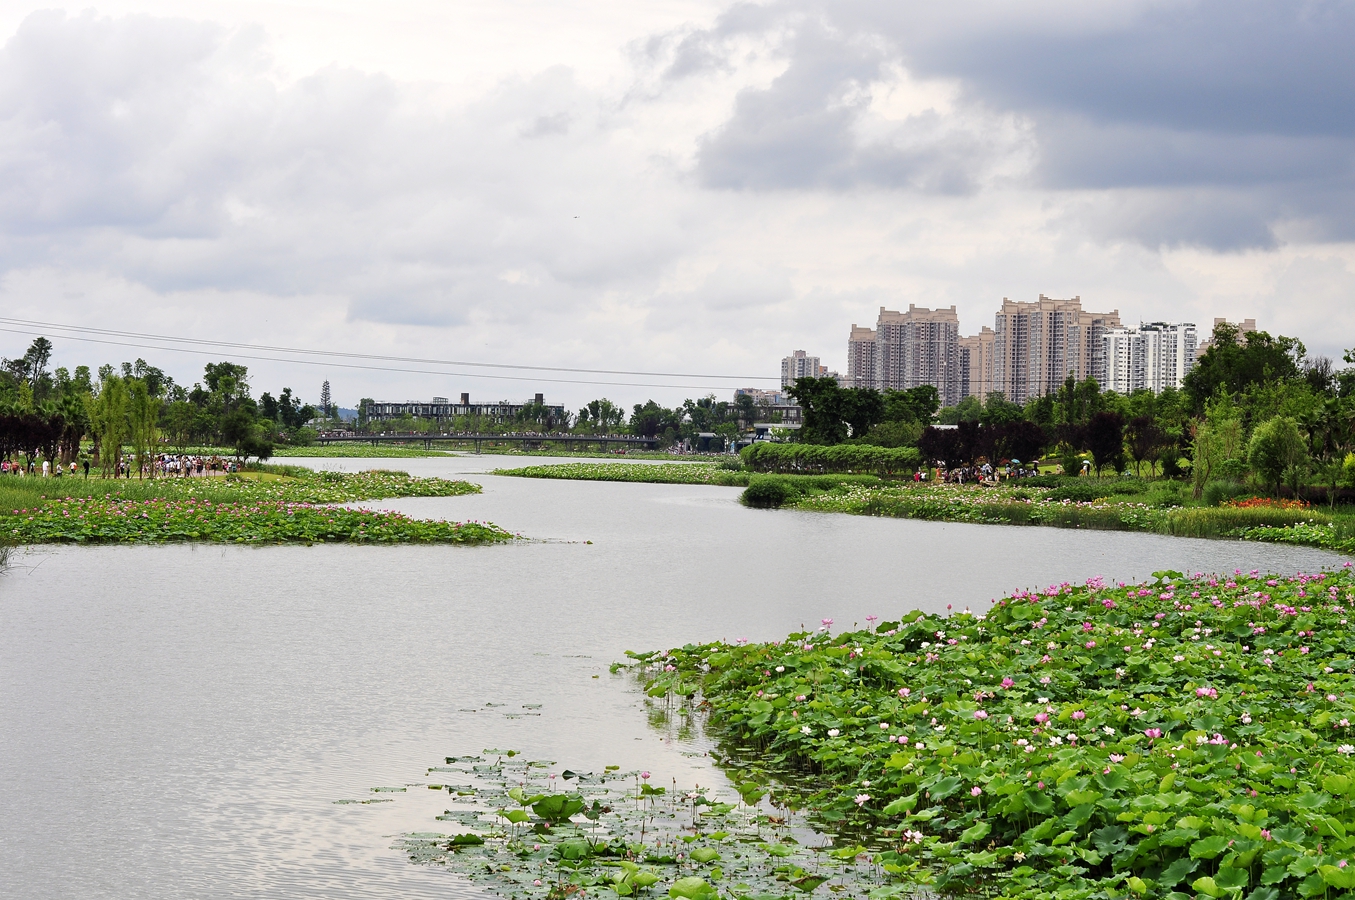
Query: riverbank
1113 504
1094 740
267 505
662 473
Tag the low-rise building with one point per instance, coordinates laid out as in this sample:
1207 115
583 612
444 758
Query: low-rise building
441 410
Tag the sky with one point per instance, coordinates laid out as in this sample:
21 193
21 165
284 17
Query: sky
680 187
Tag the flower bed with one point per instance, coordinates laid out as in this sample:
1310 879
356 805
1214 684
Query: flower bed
1187 737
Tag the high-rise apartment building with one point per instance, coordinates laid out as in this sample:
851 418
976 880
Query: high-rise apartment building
1156 355
800 365
861 357
917 347
976 364
1036 345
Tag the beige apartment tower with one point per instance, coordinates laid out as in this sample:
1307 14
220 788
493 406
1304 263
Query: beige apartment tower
861 357
1036 345
917 347
976 364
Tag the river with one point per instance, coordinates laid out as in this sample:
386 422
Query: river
177 722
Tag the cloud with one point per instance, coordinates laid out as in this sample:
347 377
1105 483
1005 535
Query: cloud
1233 119
169 150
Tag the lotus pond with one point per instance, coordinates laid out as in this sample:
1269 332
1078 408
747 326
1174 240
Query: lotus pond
1187 737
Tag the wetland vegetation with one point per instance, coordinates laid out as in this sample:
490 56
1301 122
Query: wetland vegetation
265 505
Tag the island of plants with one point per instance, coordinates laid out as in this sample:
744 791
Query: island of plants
1189 737
646 473
267 505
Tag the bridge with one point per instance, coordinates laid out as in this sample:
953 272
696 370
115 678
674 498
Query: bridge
528 441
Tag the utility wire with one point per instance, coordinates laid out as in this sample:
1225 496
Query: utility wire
370 368
29 323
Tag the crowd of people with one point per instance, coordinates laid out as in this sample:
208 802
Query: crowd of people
163 465
981 474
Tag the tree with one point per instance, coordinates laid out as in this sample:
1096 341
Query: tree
1277 453
833 413
1233 363
143 411
108 419
226 378
820 399
181 421
653 421
601 416
1145 439
1105 439
917 404
325 405
1019 440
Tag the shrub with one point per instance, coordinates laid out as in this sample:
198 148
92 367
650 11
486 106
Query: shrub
768 493
1215 492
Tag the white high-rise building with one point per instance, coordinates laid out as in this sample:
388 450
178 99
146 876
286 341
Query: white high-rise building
1156 356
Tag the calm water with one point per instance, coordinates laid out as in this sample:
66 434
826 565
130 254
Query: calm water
176 722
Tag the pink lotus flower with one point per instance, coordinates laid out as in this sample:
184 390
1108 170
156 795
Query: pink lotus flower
1152 732
1079 714
1042 717
904 692
975 791
1007 682
980 714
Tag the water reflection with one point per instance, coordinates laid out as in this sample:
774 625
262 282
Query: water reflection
177 721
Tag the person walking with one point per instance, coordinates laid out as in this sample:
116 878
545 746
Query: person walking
87 468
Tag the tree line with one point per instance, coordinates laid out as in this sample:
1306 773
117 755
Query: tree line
138 410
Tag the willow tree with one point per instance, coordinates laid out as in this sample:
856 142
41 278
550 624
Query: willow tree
108 420
143 411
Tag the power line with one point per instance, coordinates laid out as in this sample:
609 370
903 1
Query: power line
342 365
369 356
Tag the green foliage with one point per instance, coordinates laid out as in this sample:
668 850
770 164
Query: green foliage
833 413
917 405
785 458
1277 451
1074 742
265 507
1235 362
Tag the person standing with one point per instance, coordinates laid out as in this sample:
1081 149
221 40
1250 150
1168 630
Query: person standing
87 468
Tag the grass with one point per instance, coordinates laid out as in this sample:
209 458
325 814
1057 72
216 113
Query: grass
1188 737
270 504
670 473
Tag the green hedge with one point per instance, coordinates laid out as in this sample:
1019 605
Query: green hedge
816 458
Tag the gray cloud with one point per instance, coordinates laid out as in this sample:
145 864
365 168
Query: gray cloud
1234 118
